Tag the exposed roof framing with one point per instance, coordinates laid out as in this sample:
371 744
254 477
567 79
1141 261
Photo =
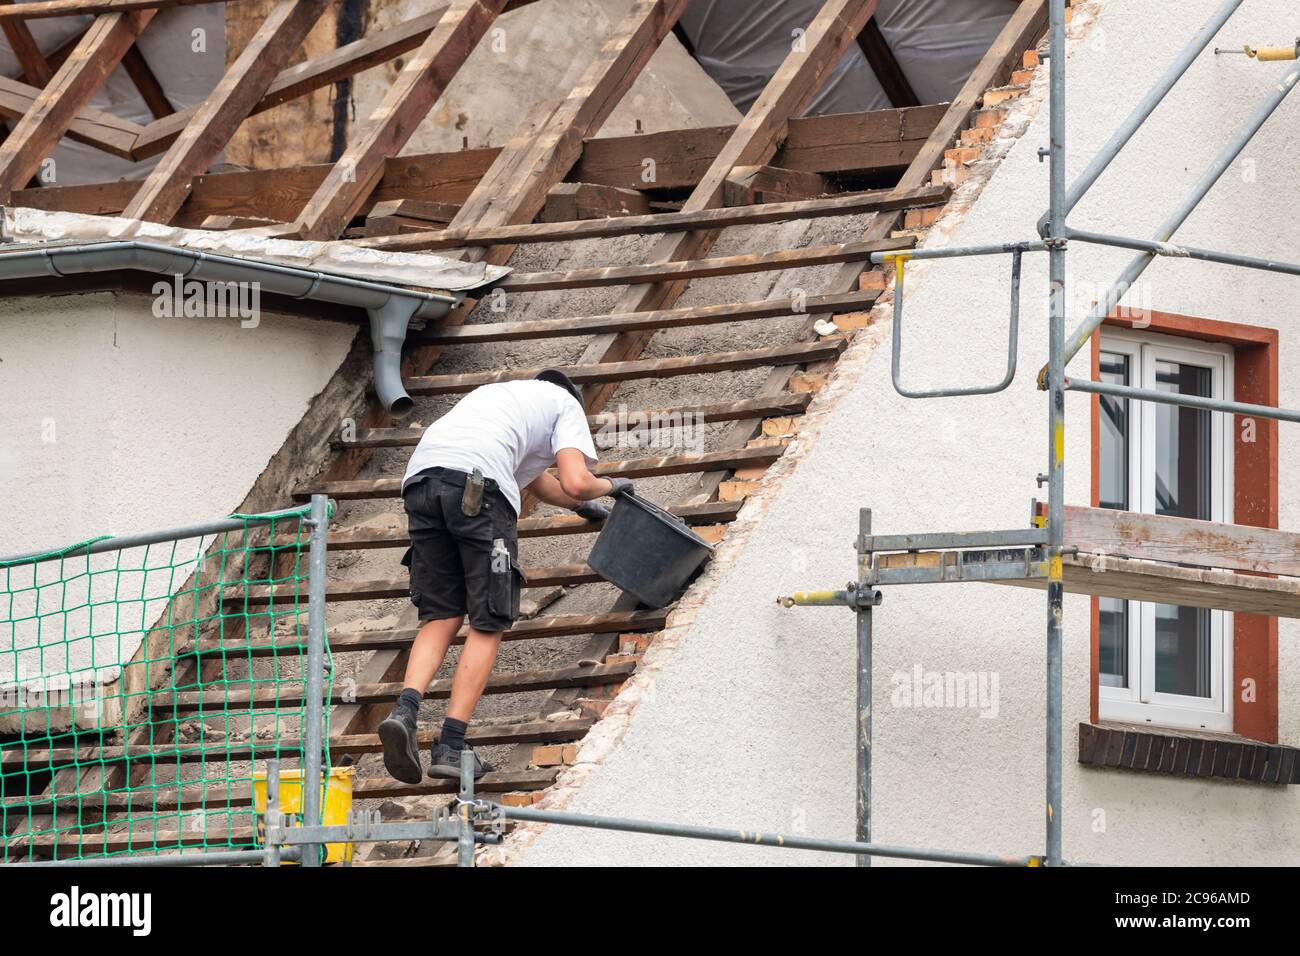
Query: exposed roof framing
29 55
66 95
878 143
421 82
886 67
208 130
754 142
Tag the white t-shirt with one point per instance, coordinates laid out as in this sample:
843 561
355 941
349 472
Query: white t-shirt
510 431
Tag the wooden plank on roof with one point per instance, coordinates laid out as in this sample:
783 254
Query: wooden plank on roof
876 140
67 94
568 202
369 538
528 329
846 204
628 468
885 66
146 83
512 682
206 134
751 185
41 9
614 372
545 628
422 80
679 270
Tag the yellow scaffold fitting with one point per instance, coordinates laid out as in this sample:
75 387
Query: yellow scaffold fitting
898 258
1267 54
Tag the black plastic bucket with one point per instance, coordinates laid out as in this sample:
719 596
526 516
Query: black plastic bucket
647 552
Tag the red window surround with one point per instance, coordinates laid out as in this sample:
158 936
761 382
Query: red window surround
1255 501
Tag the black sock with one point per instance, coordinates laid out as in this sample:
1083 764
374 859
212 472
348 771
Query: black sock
453 733
409 701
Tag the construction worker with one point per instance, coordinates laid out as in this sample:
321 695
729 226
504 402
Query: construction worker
462 497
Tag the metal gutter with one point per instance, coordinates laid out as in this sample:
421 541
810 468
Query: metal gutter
390 307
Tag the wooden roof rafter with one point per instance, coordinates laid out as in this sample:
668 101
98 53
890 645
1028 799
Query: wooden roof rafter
210 128
258 80
67 94
43 9
754 142
28 53
422 80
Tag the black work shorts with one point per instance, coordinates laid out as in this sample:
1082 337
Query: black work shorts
452 571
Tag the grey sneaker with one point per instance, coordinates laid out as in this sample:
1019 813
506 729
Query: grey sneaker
445 763
401 750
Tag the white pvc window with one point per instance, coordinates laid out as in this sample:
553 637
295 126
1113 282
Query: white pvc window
1163 663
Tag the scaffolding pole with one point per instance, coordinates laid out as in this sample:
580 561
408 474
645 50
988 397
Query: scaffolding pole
315 682
1056 431
863 829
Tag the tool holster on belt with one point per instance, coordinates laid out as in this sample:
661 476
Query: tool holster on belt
471 499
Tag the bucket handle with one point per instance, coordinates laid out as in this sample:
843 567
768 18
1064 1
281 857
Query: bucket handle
651 506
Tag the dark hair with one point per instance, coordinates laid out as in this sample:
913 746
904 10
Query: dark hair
556 377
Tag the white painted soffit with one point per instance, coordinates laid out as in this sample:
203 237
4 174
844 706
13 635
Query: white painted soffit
419 270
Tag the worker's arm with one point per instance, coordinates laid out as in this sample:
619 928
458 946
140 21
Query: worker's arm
576 480
547 488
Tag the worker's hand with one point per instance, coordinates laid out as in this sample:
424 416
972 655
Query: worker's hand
592 511
621 486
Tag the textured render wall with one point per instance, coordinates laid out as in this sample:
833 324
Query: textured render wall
119 422
744 714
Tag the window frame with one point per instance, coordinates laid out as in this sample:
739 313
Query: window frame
1140 702
1255 498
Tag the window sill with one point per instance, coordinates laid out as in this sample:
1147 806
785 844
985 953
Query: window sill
1187 754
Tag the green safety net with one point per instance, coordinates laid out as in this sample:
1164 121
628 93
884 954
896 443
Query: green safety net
143 691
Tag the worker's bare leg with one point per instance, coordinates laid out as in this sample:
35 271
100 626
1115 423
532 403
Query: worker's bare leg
472 672
467 684
398 732
429 650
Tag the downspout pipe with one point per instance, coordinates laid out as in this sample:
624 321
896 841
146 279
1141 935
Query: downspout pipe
389 307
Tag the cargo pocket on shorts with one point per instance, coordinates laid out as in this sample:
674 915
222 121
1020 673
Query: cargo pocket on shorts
407 559
504 586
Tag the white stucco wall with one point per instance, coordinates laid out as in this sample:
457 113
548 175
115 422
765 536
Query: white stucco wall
118 422
745 717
